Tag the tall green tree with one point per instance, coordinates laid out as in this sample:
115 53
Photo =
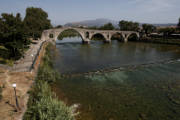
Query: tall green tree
108 26
148 28
36 20
128 25
13 35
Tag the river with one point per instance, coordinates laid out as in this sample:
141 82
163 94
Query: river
138 81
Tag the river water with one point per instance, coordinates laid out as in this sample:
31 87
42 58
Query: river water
146 85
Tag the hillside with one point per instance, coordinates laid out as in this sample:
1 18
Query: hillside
102 21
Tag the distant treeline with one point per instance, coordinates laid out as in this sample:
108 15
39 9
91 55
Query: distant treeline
145 30
135 26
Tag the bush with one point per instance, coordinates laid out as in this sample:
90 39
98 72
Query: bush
46 71
43 106
4 53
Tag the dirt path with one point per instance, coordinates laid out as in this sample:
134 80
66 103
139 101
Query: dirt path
23 80
7 79
7 104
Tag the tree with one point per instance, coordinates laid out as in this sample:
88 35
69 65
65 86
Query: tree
59 26
128 25
36 20
148 28
13 35
93 27
167 31
108 26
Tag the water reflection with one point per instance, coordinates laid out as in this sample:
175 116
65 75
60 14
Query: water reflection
76 57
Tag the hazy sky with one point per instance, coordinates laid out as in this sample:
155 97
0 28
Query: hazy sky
63 11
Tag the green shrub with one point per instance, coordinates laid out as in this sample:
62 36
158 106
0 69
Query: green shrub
44 106
46 71
4 53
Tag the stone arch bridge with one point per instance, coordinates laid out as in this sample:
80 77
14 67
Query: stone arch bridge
87 34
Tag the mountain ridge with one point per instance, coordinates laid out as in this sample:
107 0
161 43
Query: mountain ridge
101 21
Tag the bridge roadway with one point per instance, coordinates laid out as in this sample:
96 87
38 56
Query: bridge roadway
87 34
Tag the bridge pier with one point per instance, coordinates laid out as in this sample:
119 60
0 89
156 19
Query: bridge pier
125 40
107 41
86 41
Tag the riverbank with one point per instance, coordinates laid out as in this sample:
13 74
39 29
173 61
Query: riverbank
23 81
23 76
161 40
42 103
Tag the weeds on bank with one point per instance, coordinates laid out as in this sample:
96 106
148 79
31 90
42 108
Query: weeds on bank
43 104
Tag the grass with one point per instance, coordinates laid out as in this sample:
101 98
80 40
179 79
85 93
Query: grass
43 104
6 61
4 55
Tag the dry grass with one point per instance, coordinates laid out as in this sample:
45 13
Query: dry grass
24 81
7 104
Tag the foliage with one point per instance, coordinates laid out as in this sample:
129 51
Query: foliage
93 27
36 20
42 104
13 36
133 37
6 61
117 37
15 32
178 25
128 25
59 26
108 26
46 71
167 31
68 33
4 52
98 37
148 28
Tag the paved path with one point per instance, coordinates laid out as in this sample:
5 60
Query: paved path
25 64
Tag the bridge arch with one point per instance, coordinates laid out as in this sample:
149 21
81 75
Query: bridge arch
133 37
98 34
117 36
58 32
87 35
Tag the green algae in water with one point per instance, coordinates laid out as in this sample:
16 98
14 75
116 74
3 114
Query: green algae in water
151 93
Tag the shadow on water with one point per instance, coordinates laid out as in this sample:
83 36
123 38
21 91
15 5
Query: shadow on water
144 93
